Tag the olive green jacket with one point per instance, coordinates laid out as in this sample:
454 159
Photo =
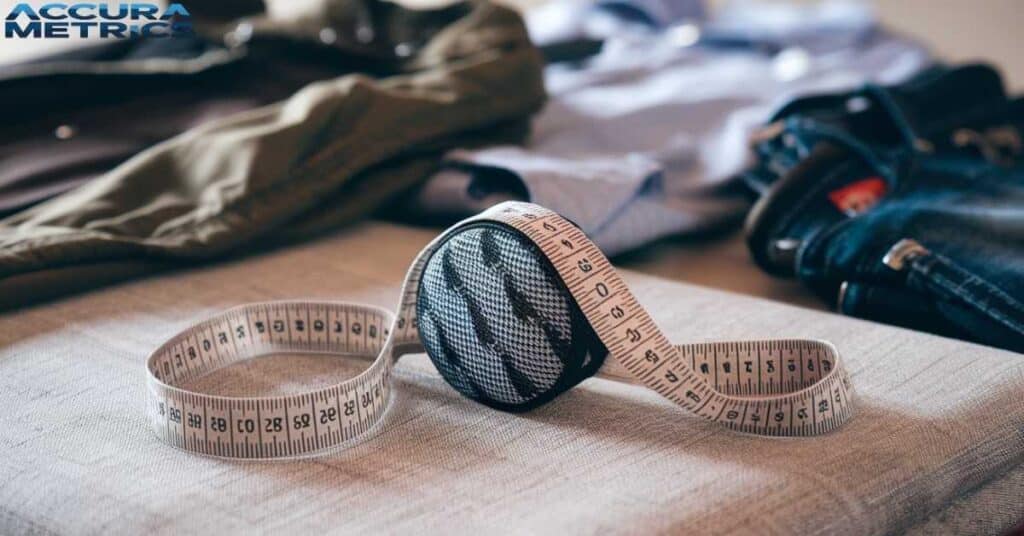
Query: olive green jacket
334 152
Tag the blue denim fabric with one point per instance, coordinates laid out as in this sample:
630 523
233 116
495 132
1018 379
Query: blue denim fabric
942 249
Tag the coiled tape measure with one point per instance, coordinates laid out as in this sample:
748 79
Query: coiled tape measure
514 306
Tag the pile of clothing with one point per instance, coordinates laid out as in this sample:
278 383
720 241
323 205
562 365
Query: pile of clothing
901 204
647 128
153 152
889 185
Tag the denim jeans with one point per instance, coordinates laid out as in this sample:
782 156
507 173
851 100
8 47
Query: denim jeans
901 204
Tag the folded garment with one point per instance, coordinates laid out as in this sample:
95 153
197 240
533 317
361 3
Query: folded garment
645 139
901 204
332 152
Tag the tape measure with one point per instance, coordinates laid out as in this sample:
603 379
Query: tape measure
770 387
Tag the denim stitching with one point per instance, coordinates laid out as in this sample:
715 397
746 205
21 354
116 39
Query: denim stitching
962 290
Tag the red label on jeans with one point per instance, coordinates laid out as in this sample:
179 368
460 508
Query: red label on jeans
858 197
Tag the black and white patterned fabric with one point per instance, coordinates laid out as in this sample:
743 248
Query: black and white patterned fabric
498 322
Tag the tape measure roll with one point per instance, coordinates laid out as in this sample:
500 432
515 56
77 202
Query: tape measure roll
514 306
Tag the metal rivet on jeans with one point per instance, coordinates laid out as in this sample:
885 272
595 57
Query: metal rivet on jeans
841 299
924 146
365 33
857 104
403 50
328 36
783 251
64 132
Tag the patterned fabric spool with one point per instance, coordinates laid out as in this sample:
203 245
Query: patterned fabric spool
498 322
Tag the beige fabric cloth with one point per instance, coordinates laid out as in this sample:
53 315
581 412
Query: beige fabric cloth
990 509
939 422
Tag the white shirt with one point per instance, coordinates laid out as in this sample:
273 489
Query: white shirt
644 140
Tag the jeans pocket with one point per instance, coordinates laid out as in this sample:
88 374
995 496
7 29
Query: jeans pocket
908 308
944 280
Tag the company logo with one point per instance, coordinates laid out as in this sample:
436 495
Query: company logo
117 21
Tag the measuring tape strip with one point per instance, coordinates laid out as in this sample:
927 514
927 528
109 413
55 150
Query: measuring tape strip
771 387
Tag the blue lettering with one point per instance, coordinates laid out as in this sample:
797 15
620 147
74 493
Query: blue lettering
31 29
83 28
113 29
150 29
75 11
122 12
46 11
144 11
175 9
22 9
172 22
181 28
56 30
